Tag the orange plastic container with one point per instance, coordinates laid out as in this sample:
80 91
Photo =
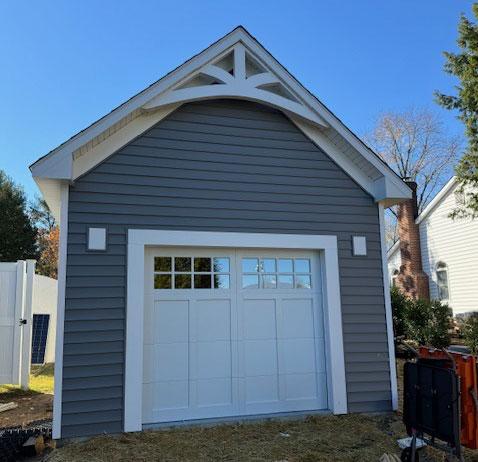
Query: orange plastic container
466 369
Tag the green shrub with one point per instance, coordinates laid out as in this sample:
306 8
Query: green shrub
437 331
470 333
421 321
416 321
399 310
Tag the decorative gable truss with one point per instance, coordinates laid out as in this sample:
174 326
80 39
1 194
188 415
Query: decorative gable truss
237 74
236 66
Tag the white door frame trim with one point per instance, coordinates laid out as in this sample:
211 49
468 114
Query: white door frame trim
138 239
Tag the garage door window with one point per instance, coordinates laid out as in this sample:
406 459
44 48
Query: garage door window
272 273
191 272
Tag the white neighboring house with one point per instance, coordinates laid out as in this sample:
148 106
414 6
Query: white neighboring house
449 251
45 292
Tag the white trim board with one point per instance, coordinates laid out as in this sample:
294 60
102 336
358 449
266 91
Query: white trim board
60 318
138 239
388 310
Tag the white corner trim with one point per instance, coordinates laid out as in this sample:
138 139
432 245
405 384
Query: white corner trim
60 317
138 239
388 311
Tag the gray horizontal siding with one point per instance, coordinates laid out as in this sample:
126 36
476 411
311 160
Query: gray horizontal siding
215 166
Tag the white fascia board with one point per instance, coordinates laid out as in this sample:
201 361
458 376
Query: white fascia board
85 162
437 199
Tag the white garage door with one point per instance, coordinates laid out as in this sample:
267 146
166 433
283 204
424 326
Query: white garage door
232 332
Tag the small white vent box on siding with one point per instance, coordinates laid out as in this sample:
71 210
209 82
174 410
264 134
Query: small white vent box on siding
96 239
359 244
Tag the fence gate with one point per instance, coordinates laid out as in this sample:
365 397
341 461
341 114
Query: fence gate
16 295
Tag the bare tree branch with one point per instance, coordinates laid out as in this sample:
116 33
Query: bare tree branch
415 144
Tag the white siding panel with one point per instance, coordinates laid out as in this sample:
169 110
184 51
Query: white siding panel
394 262
454 242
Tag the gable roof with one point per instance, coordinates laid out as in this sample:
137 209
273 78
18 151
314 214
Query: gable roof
236 66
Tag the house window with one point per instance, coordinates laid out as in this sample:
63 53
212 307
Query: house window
395 274
191 273
442 281
276 273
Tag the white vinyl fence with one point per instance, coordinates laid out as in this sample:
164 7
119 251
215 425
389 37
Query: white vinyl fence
16 295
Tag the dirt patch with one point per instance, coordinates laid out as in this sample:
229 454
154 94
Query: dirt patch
320 438
31 407
348 438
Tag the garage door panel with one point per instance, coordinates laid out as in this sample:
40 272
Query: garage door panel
163 396
213 359
301 386
170 321
259 318
298 355
171 361
260 357
234 350
262 389
297 318
214 392
213 320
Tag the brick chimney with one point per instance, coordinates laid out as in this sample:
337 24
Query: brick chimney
411 279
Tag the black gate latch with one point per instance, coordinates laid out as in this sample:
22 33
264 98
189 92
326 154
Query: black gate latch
23 321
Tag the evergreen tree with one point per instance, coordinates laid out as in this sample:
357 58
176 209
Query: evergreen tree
17 232
464 65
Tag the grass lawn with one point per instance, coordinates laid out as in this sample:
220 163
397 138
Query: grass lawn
41 381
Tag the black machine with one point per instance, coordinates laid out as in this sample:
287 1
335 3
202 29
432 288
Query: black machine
431 407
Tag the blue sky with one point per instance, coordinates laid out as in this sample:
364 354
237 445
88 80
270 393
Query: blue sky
66 63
